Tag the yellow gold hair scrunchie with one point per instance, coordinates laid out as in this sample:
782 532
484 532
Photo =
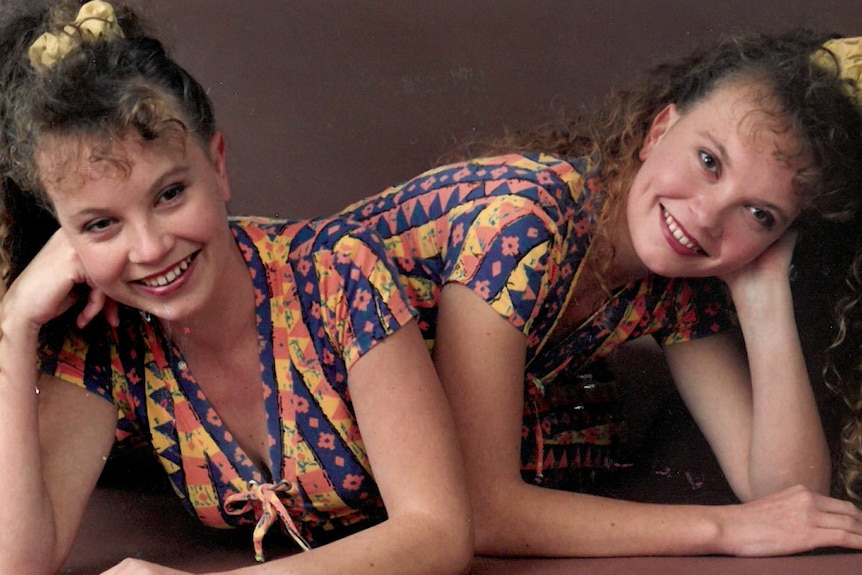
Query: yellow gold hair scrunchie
848 53
95 20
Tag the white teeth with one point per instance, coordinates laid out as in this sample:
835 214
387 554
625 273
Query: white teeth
677 233
169 277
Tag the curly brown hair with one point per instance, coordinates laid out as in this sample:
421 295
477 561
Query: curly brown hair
99 92
810 99
807 99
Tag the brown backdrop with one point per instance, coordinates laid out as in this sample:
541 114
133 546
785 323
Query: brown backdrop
324 102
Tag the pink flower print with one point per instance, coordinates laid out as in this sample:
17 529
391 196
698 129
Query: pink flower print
483 288
315 310
213 417
352 482
366 211
406 264
304 266
458 234
363 298
301 405
328 357
510 245
246 251
581 227
545 179
326 441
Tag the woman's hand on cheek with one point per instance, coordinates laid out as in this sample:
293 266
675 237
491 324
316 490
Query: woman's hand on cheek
771 266
97 301
138 567
52 283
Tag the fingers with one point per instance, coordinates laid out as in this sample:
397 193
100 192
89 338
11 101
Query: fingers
112 312
96 302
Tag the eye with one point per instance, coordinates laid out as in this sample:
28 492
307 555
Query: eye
97 226
171 193
708 160
763 217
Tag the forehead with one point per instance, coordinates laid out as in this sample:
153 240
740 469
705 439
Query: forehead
66 163
750 110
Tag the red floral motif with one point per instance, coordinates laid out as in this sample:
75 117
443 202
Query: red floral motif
352 482
510 245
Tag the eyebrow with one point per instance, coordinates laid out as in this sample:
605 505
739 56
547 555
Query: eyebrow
173 173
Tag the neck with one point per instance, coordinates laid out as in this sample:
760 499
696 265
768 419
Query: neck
625 266
229 314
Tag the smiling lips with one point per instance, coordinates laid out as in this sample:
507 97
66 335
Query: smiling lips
679 234
170 276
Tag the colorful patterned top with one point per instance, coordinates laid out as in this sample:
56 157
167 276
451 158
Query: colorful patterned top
326 293
515 229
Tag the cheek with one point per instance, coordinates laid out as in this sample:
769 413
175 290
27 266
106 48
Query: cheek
746 252
103 267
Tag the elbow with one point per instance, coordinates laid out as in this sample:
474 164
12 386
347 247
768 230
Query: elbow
30 563
496 531
449 546
30 549
461 543
815 479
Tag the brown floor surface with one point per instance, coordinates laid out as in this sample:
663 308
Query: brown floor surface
152 526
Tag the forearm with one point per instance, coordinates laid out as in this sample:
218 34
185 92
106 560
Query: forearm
29 546
526 520
788 445
405 545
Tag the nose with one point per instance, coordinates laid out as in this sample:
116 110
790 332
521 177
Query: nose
708 208
148 242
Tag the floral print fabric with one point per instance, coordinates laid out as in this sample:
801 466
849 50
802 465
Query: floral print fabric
326 293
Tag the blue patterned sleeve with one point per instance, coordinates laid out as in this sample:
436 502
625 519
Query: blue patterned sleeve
361 301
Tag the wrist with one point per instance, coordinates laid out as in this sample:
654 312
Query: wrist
725 517
762 300
16 328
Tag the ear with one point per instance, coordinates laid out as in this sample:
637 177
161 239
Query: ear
217 153
662 122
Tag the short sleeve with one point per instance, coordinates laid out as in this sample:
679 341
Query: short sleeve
79 358
361 299
503 248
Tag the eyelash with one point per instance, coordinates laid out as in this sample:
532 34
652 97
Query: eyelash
100 225
97 226
767 220
708 161
176 189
